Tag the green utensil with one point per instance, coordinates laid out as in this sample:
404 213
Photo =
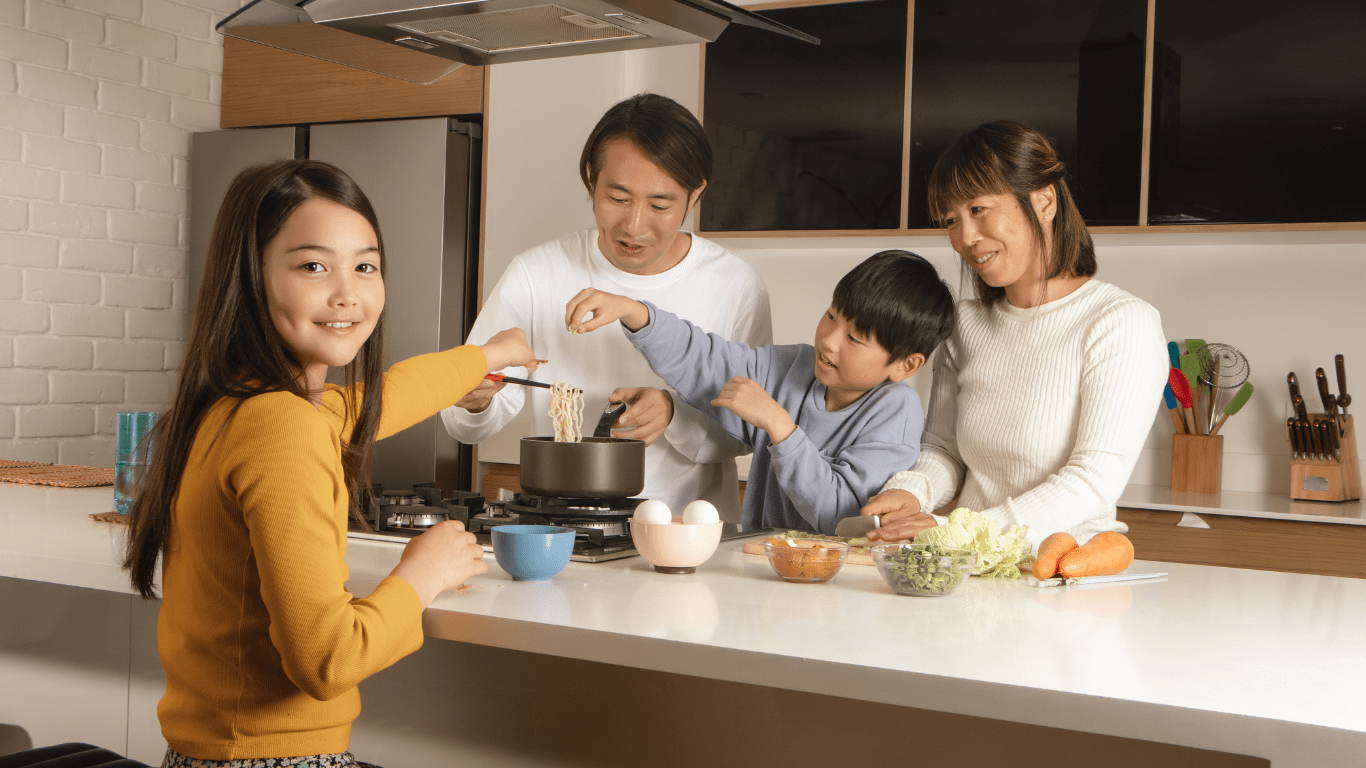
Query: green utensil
1240 399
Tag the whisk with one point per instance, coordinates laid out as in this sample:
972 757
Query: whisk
1221 367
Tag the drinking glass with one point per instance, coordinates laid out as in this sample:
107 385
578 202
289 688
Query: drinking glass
133 456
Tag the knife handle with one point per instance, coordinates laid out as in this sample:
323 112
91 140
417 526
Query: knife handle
1301 412
1321 379
1294 386
1344 399
1294 438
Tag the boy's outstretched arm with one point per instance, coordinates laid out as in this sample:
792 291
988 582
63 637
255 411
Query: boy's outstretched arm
605 308
746 399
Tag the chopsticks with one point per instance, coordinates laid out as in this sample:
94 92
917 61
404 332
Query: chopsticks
513 380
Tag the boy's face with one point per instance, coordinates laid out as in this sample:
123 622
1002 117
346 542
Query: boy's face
850 363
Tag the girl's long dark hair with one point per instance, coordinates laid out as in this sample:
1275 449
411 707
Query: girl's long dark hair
1004 157
235 352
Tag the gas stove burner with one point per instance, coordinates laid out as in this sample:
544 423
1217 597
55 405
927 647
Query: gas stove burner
413 516
605 528
399 498
556 507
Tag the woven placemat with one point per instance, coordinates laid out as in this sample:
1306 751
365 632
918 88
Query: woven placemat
60 475
11 463
109 517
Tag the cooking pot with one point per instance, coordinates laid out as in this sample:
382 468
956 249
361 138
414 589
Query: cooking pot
593 468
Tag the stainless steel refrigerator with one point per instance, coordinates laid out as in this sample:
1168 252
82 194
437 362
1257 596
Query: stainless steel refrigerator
422 176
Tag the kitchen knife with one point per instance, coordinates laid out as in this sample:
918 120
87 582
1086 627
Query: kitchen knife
608 418
1301 412
1316 446
1294 438
1344 399
857 527
1063 581
1322 379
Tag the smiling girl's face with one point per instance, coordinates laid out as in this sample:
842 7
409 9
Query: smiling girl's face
323 285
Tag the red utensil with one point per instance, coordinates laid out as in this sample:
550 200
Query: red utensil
1181 388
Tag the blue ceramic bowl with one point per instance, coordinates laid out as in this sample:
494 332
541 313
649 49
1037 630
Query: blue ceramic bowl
532 552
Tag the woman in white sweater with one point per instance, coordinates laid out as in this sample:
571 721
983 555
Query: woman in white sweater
1046 390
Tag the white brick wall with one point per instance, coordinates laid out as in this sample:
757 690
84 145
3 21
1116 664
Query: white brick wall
98 99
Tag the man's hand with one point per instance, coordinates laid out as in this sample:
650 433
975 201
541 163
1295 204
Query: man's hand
901 520
650 412
605 308
746 399
477 400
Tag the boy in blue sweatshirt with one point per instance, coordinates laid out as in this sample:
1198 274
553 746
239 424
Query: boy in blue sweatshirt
829 422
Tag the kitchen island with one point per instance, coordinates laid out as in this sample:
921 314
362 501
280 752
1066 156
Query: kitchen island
677 670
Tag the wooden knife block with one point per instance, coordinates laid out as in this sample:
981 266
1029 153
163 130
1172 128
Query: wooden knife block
1339 480
1198 463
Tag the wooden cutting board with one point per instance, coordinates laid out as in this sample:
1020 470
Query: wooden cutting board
857 555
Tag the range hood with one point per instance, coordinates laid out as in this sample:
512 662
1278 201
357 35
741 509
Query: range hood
422 40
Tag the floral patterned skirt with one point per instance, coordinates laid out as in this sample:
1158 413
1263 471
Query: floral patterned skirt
174 759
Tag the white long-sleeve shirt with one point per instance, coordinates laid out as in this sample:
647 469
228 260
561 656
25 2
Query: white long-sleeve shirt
711 287
1037 416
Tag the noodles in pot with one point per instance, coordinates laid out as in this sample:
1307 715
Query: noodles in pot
566 412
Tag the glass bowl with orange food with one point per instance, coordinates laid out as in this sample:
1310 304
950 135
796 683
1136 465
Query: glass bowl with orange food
806 560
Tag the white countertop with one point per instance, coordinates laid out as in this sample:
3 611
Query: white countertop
1276 506
1249 662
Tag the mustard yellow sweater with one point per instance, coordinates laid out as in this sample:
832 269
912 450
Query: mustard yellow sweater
262 645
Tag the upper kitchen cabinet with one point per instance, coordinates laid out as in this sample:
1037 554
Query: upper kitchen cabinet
1166 112
808 137
1070 68
1259 113
268 86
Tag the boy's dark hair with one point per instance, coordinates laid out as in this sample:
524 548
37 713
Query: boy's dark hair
662 129
897 298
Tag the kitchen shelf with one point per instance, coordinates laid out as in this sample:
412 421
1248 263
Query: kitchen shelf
1273 506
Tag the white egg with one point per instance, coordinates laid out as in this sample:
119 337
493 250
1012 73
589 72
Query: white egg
653 512
700 512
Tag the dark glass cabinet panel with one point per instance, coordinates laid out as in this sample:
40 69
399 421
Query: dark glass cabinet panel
808 137
1259 112
1072 69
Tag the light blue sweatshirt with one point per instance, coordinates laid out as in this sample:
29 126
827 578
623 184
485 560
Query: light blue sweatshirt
831 464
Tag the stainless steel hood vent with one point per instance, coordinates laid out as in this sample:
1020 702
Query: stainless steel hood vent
422 40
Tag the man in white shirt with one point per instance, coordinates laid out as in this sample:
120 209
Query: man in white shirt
646 164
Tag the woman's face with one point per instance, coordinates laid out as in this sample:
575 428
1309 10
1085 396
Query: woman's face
993 235
323 285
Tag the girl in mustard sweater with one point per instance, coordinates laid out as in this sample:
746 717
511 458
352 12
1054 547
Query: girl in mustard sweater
256 465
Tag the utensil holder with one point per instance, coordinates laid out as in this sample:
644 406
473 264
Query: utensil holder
1198 463
1328 479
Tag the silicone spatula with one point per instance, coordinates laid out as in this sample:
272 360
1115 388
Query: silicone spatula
1240 399
1170 400
1190 367
1182 390
1174 352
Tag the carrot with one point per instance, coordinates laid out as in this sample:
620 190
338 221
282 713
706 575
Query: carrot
1051 550
1104 554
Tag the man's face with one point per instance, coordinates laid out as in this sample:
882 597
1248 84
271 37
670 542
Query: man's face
639 208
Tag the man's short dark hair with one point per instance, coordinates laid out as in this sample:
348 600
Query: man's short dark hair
662 129
897 298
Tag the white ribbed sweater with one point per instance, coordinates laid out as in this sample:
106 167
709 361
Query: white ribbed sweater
1037 416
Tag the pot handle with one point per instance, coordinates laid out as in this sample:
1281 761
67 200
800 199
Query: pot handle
608 418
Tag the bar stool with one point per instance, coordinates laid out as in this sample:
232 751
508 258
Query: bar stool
70 755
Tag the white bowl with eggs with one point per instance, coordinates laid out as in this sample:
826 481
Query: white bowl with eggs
675 543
